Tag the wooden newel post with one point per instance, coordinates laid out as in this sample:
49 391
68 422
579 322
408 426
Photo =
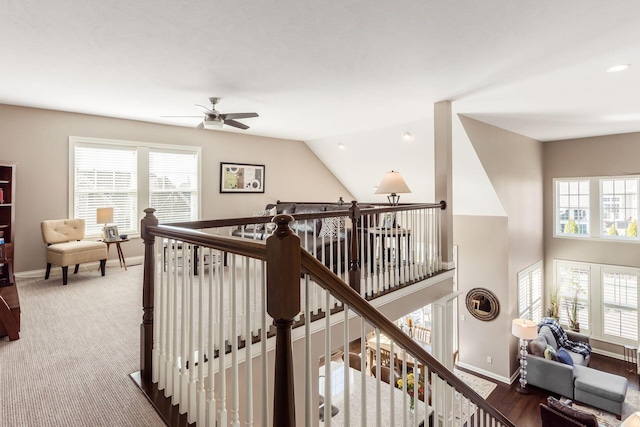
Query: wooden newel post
354 252
283 304
146 327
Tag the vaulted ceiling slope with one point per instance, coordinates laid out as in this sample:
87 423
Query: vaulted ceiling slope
319 69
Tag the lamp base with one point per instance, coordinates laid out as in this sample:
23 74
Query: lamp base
522 390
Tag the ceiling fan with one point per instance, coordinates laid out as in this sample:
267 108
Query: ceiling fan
213 119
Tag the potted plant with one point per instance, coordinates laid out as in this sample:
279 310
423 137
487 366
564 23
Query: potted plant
573 307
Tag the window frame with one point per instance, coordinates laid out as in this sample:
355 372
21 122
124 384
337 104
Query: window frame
527 275
557 221
143 190
601 195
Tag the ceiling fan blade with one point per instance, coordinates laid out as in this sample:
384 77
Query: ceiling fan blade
200 126
238 115
236 124
207 110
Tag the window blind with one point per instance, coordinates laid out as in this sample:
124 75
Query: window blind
173 185
620 298
105 176
530 293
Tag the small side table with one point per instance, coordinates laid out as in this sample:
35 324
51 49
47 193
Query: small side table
117 242
630 358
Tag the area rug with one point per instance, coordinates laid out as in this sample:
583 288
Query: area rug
631 404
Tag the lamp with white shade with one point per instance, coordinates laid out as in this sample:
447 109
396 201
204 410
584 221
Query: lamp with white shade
524 329
104 216
393 184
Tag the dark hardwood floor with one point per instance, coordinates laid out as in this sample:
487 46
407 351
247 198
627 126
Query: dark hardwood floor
523 409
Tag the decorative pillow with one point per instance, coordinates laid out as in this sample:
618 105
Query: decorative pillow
331 226
545 331
563 356
550 353
537 346
585 418
264 212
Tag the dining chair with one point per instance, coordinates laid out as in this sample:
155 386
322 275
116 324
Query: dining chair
422 334
385 357
387 374
355 361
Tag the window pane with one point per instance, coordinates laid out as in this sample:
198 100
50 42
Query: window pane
173 185
619 204
105 176
574 295
620 297
530 293
572 200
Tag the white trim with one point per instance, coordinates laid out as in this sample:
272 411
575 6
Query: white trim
487 374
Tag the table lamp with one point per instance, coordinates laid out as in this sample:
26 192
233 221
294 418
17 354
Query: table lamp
524 329
104 216
393 184
632 421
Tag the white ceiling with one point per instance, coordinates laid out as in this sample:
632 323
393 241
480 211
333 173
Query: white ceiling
315 69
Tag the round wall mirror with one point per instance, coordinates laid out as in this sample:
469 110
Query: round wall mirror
482 304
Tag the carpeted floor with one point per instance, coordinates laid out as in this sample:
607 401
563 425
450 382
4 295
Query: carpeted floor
605 419
78 344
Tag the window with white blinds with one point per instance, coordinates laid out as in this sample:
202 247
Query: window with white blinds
105 176
620 304
574 282
530 293
173 185
131 176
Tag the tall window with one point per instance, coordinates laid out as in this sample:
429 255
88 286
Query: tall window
619 207
620 299
173 185
130 176
572 207
530 293
573 282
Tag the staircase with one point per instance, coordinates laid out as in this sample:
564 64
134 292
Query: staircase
234 330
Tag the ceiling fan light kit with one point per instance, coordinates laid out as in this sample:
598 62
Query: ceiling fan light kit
212 123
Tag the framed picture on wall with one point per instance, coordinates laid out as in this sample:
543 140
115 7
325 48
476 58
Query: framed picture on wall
241 178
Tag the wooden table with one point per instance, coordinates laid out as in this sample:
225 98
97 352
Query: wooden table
385 343
123 262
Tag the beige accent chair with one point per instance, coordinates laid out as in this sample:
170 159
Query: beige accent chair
65 246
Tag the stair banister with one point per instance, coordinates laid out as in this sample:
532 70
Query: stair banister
283 304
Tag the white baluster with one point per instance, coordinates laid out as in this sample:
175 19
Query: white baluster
233 340
184 330
248 361
327 363
222 377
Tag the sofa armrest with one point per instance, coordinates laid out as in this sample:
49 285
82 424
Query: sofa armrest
550 375
577 336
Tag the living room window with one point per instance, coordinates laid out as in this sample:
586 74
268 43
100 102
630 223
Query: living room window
619 207
530 293
130 176
620 299
573 281
607 299
572 207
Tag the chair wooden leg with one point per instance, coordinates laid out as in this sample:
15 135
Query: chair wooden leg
103 263
46 275
65 270
75 270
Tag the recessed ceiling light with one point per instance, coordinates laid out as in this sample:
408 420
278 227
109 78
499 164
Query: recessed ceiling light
407 136
617 68
341 146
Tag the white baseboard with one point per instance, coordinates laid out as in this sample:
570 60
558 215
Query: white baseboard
90 266
487 374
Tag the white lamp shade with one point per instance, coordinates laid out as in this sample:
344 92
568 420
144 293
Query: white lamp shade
392 183
632 421
524 328
104 215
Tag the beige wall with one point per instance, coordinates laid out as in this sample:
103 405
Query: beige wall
492 250
38 141
588 157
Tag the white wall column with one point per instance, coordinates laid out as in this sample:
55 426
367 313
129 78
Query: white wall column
442 321
443 167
